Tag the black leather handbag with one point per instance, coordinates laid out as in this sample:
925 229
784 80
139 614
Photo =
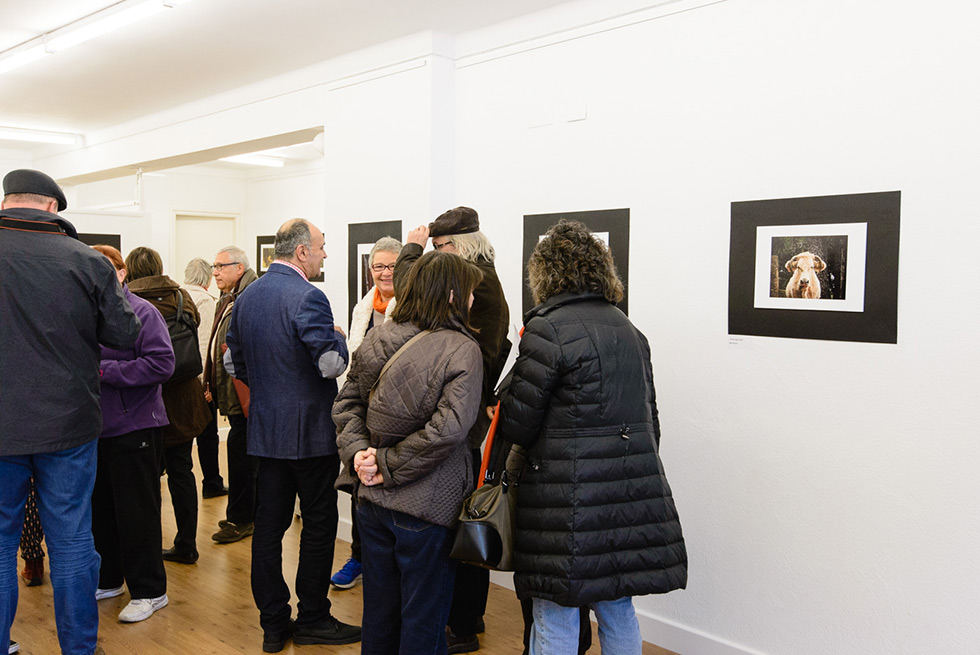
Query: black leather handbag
485 532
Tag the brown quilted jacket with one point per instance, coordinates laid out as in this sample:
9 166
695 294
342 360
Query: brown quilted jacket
418 419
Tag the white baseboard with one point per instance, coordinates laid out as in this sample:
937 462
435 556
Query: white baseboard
655 630
684 639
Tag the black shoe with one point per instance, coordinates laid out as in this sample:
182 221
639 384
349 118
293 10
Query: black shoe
230 533
273 642
330 631
214 492
174 555
464 644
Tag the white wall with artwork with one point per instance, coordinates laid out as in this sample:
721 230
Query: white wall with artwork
824 487
827 489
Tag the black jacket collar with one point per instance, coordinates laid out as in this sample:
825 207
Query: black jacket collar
560 300
29 214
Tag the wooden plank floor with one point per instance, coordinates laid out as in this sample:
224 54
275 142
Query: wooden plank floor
211 609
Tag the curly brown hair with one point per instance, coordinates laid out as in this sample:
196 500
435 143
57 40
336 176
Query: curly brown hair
570 258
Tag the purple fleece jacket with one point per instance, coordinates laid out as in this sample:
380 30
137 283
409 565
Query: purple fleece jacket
132 379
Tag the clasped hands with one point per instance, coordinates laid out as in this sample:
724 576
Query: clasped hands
366 467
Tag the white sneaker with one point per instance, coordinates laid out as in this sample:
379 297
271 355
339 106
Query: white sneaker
109 593
142 609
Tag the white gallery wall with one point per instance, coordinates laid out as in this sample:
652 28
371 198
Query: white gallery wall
828 490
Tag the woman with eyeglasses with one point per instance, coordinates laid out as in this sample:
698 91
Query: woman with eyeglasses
372 310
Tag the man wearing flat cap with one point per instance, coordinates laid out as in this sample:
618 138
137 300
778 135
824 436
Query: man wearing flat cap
457 231
59 300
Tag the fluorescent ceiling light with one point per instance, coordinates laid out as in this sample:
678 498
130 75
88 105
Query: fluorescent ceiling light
113 17
104 24
18 59
256 160
37 136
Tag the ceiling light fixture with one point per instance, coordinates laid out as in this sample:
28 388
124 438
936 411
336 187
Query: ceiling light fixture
16 58
37 136
256 160
106 20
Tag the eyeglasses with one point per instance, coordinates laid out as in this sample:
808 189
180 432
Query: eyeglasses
440 246
218 267
377 268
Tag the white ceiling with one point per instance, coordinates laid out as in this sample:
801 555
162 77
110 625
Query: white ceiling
202 48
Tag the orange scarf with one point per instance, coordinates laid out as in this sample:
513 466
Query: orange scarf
380 304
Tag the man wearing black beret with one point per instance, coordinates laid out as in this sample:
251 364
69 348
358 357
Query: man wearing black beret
59 300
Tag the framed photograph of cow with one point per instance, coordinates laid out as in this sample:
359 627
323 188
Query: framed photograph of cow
822 267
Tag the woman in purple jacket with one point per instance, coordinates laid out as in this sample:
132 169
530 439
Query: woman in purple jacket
126 500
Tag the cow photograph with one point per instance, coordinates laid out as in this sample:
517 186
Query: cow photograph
809 267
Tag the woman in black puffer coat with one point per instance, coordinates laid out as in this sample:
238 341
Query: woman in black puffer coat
596 522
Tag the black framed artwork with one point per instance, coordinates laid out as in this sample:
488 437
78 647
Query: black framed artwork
361 237
610 225
265 253
823 267
91 239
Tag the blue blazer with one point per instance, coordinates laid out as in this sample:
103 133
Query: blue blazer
280 335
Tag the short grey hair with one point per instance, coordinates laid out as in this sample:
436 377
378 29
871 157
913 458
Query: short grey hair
384 244
473 246
198 272
292 234
236 254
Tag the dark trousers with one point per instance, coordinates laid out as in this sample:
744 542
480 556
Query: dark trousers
355 535
408 583
279 481
207 452
471 588
126 513
241 473
178 464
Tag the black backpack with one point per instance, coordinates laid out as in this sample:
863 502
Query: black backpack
183 336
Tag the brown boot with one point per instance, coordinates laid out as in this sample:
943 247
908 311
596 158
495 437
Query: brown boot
33 572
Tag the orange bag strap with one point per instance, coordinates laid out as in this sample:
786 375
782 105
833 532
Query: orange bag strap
488 448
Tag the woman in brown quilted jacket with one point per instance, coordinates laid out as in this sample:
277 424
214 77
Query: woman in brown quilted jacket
404 436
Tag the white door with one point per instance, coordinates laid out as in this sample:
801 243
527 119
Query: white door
201 236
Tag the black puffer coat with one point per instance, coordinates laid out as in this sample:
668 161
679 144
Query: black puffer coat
596 520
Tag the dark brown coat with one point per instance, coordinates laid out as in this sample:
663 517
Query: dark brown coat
186 408
418 419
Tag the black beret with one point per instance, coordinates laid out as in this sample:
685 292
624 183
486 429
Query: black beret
24 180
461 220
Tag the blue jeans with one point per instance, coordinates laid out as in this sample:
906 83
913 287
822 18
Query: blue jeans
408 583
555 628
64 482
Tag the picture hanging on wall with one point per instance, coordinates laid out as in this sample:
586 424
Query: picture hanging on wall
610 225
361 237
265 253
113 240
823 267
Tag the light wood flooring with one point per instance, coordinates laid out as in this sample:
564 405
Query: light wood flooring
211 609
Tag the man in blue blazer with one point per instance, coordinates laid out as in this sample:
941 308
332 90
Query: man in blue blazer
282 343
